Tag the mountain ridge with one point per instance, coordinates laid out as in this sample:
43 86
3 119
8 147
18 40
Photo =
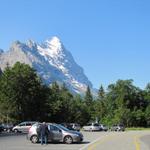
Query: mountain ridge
51 60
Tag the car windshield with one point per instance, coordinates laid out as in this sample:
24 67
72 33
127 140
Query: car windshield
63 128
95 124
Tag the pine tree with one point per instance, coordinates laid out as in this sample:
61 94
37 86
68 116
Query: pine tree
101 93
22 94
1 72
88 97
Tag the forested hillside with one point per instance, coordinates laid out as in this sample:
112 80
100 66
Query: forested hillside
23 96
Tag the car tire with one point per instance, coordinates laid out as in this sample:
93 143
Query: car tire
34 139
91 130
16 131
68 139
8 130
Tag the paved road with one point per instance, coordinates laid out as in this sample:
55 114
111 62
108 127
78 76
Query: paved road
146 140
131 140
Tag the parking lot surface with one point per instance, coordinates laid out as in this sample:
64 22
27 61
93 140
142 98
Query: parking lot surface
130 140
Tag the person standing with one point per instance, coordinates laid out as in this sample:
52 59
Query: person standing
43 133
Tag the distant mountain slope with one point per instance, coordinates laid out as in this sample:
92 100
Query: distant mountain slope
51 60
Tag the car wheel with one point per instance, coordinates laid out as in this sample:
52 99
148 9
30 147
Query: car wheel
34 139
68 139
16 131
91 130
8 130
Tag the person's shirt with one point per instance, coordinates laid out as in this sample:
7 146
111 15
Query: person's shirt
43 129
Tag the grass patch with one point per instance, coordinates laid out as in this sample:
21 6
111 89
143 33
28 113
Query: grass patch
137 128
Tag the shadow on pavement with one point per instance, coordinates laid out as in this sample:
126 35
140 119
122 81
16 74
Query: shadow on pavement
84 142
4 134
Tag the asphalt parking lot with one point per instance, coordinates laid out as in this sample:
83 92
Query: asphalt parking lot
130 140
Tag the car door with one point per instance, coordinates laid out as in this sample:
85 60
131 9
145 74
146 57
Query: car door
27 127
22 126
56 133
96 127
88 127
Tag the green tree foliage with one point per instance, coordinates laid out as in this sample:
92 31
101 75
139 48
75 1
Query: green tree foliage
24 97
80 112
101 93
60 103
99 105
0 72
22 94
88 97
88 101
125 104
147 115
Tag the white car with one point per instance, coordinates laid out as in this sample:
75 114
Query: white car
91 127
103 127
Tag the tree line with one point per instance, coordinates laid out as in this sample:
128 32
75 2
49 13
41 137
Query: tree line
24 96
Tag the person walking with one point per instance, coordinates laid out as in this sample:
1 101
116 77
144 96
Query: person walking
43 133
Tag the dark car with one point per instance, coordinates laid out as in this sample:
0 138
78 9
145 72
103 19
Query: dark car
118 128
1 128
8 127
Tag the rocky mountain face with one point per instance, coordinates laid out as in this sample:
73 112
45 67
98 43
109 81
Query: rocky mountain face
51 60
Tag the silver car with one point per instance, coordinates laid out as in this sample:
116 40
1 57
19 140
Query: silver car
57 133
23 127
103 127
91 127
117 128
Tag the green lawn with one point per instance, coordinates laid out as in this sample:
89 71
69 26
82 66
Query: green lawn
137 128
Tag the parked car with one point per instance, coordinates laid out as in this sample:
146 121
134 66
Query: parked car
75 126
57 133
1 128
118 128
8 127
91 127
103 127
72 126
23 127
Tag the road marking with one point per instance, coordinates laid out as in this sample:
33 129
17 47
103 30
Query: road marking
84 147
136 142
106 138
93 144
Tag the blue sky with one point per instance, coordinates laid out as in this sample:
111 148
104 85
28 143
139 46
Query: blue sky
110 39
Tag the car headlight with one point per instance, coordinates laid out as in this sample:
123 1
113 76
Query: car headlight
76 135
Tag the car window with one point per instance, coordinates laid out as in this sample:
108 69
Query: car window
22 124
54 128
28 124
63 128
95 124
33 123
89 124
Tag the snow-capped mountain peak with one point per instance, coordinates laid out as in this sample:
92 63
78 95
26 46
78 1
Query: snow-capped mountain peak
52 62
55 45
31 43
